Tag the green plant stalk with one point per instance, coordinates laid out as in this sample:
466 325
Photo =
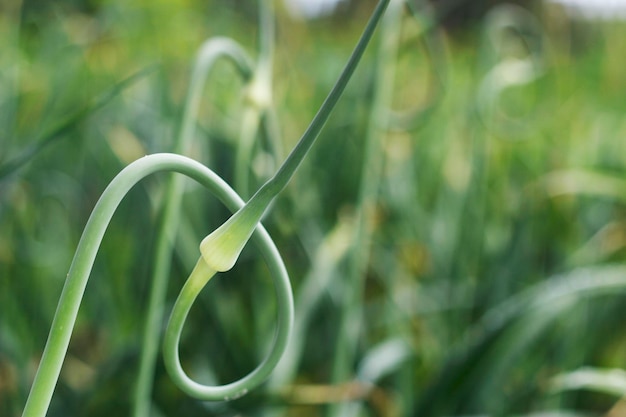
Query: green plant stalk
351 320
73 290
267 34
271 129
428 21
209 53
65 317
249 130
253 119
259 100
198 278
227 241
220 250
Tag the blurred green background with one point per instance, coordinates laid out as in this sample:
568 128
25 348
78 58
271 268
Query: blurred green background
492 278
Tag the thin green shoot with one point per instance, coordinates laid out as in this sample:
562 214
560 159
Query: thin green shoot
221 248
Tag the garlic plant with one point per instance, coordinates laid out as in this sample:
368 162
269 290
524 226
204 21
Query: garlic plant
219 250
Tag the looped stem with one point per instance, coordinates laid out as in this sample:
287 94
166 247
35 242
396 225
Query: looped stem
74 288
197 280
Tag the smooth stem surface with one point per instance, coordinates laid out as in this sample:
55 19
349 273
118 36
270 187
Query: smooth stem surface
198 278
222 255
74 288
251 119
271 130
209 53
259 103
267 35
200 275
286 171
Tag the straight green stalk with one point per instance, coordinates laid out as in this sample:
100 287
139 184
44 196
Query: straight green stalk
258 103
219 250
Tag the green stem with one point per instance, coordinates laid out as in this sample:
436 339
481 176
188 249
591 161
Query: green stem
431 36
198 278
219 249
371 172
208 54
250 121
259 103
276 184
74 288
267 33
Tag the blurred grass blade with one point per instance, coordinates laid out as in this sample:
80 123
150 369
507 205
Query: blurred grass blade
607 381
472 372
383 359
429 33
585 182
570 287
329 254
59 130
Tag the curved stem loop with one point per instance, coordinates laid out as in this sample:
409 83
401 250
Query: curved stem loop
197 280
71 297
